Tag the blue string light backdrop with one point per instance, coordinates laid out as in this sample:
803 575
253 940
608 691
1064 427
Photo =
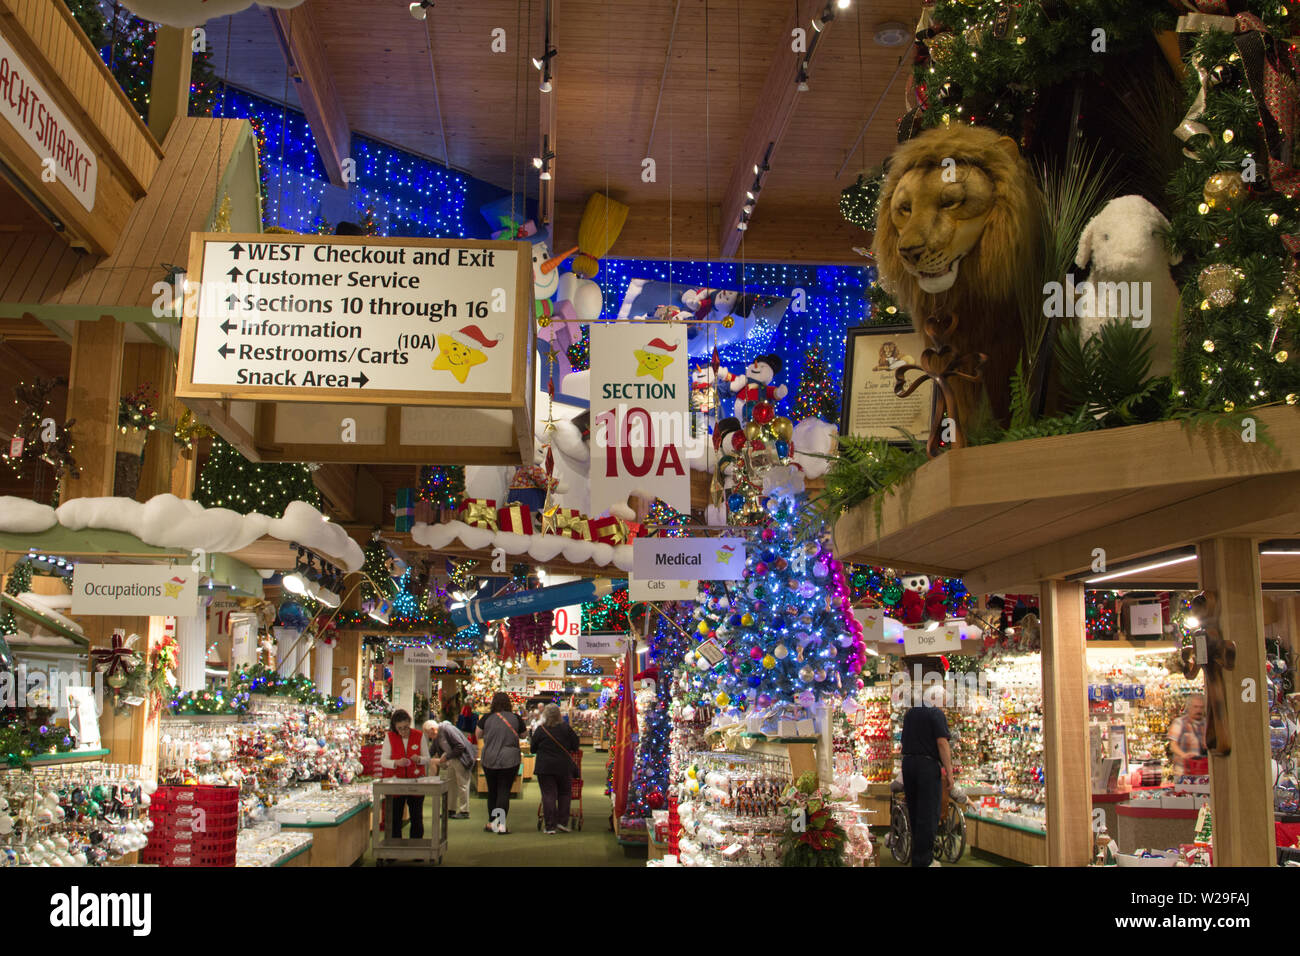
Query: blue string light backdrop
414 196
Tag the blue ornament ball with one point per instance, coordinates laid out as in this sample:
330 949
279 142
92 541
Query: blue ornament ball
782 448
735 502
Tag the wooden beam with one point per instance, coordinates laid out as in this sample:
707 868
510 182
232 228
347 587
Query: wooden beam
1273 500
169 89
1241 795
338 483
17 362
767 125
154 366
93 391
304 56
1065 725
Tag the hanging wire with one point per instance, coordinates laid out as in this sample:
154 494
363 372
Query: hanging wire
437 104
521 52
284 130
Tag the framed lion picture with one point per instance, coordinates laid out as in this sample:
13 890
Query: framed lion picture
870 408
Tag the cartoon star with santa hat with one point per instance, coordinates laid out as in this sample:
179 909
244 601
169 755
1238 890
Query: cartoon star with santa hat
654 358
462 350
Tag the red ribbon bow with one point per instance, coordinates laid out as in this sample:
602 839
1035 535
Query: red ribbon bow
115 657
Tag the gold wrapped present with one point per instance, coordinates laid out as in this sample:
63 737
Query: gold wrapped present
568 522
479 513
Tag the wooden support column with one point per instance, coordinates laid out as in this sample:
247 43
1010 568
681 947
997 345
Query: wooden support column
1065 725
1241 795
169 90
93 392
348 679
154 365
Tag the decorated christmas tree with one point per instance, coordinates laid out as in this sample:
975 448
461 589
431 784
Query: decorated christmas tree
19 582
786 633
818 392
126 44
229 480
377 585
668 647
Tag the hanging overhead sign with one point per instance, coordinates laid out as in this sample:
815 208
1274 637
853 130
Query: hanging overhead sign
640 415
135 589
289 343
655 589
425 656
60 149
945 639
694 559
602 645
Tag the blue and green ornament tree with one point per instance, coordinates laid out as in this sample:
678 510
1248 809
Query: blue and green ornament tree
668 647
786 630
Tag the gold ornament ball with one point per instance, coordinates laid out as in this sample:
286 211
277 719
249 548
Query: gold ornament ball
943 48
1282 356
1208 345
1224 190
728 322
1227 136
753 431
1292 398
1219 283
782 428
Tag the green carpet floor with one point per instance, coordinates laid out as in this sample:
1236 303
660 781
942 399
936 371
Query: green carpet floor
525 844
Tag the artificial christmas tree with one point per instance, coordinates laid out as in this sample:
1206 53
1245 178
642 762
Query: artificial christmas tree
668 646
229 480
818 395
786 635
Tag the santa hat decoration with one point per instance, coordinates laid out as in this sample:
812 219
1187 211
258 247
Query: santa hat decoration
472 336
659 346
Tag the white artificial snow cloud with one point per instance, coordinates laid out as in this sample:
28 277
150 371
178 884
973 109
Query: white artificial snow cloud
20 516
166 521
539 547
816 436
193 13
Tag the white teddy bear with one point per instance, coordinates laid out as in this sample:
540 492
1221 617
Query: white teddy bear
1130 274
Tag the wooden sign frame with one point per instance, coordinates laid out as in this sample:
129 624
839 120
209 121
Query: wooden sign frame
218 406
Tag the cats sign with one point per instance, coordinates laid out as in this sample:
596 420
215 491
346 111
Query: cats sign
640 414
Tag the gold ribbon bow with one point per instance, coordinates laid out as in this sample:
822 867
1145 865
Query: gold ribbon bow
480 513
566 521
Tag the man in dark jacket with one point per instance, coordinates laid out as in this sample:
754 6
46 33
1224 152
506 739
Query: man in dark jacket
927 770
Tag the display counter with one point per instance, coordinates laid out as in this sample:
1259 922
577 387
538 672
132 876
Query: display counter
1141 826
1004 838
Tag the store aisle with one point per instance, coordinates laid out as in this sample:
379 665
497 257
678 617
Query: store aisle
525 845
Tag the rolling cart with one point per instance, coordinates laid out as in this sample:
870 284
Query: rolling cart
575 797
433 845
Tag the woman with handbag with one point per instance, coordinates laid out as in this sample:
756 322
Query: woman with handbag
555 744
499 734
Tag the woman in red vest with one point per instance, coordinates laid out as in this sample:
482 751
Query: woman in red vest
404 757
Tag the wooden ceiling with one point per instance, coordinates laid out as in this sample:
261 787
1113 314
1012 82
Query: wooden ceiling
628 85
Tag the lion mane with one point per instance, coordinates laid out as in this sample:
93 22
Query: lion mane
983 297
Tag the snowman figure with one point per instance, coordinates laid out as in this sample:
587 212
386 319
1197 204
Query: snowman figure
698 301
756 385
704 399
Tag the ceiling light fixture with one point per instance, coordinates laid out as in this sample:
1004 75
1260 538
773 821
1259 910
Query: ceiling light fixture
1166 562
802 86
892 34
420 9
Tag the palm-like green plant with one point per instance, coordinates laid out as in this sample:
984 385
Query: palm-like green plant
1106 376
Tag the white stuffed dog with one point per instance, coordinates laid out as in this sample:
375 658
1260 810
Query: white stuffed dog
1130 275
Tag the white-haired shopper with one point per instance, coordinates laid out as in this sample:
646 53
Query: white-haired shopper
555 743
456 763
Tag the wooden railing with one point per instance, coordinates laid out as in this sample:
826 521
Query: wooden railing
96 103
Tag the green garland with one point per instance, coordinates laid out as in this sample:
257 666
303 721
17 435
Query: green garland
258 679
1242 349
23 737
989 59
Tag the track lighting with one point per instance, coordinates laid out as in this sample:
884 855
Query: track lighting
802 86
539 63
749 194
546 84
295 582
545 176
420 9
843 4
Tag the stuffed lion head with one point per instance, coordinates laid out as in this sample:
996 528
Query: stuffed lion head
958 219
958 230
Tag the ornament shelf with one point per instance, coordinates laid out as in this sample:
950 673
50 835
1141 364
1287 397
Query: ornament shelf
1004 517
73 756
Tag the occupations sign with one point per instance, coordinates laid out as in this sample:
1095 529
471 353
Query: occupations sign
640 416
326 318
135 589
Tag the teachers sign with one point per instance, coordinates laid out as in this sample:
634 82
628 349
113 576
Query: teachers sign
640 394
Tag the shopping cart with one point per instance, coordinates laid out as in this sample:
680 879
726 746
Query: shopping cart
575 795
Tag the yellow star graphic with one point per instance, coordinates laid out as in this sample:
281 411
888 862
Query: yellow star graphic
173 590
457 358
723 557
651 363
